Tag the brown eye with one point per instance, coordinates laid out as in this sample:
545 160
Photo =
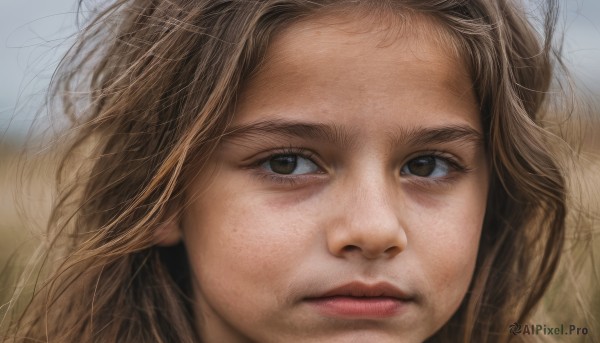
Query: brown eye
283 164
289 164
426 166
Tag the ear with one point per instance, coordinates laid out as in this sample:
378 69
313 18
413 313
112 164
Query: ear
168 232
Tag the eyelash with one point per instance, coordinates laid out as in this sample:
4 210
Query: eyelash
288 180
456 168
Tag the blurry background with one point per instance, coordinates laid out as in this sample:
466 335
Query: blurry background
33 36
35 33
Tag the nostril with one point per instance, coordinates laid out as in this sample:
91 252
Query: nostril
350 248
392 251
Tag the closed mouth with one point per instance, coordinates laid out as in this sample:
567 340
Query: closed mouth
360 300
362 290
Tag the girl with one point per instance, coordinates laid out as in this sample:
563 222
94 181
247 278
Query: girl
302 171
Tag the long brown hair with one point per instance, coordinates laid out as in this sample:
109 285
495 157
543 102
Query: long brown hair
149 88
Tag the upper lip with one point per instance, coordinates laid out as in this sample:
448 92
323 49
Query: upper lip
360 289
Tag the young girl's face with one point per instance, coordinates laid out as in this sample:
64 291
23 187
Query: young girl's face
347 203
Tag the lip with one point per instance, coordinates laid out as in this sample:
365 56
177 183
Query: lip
360 300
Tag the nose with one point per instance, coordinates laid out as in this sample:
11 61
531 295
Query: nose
367 223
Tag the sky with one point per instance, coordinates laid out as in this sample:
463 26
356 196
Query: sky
33 37
35 33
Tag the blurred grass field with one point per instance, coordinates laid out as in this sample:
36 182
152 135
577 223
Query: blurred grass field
22 224
25 200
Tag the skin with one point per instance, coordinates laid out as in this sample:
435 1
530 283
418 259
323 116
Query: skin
260 243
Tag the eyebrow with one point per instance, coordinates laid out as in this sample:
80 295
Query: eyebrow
337 135
331 133
437 135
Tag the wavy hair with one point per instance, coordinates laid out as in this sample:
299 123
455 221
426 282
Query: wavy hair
150 87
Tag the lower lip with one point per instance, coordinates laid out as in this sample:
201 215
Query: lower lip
359 307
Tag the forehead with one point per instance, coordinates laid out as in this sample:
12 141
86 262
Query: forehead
348 68
334 42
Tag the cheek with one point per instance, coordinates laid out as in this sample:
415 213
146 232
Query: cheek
446 249
454 242
235 240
